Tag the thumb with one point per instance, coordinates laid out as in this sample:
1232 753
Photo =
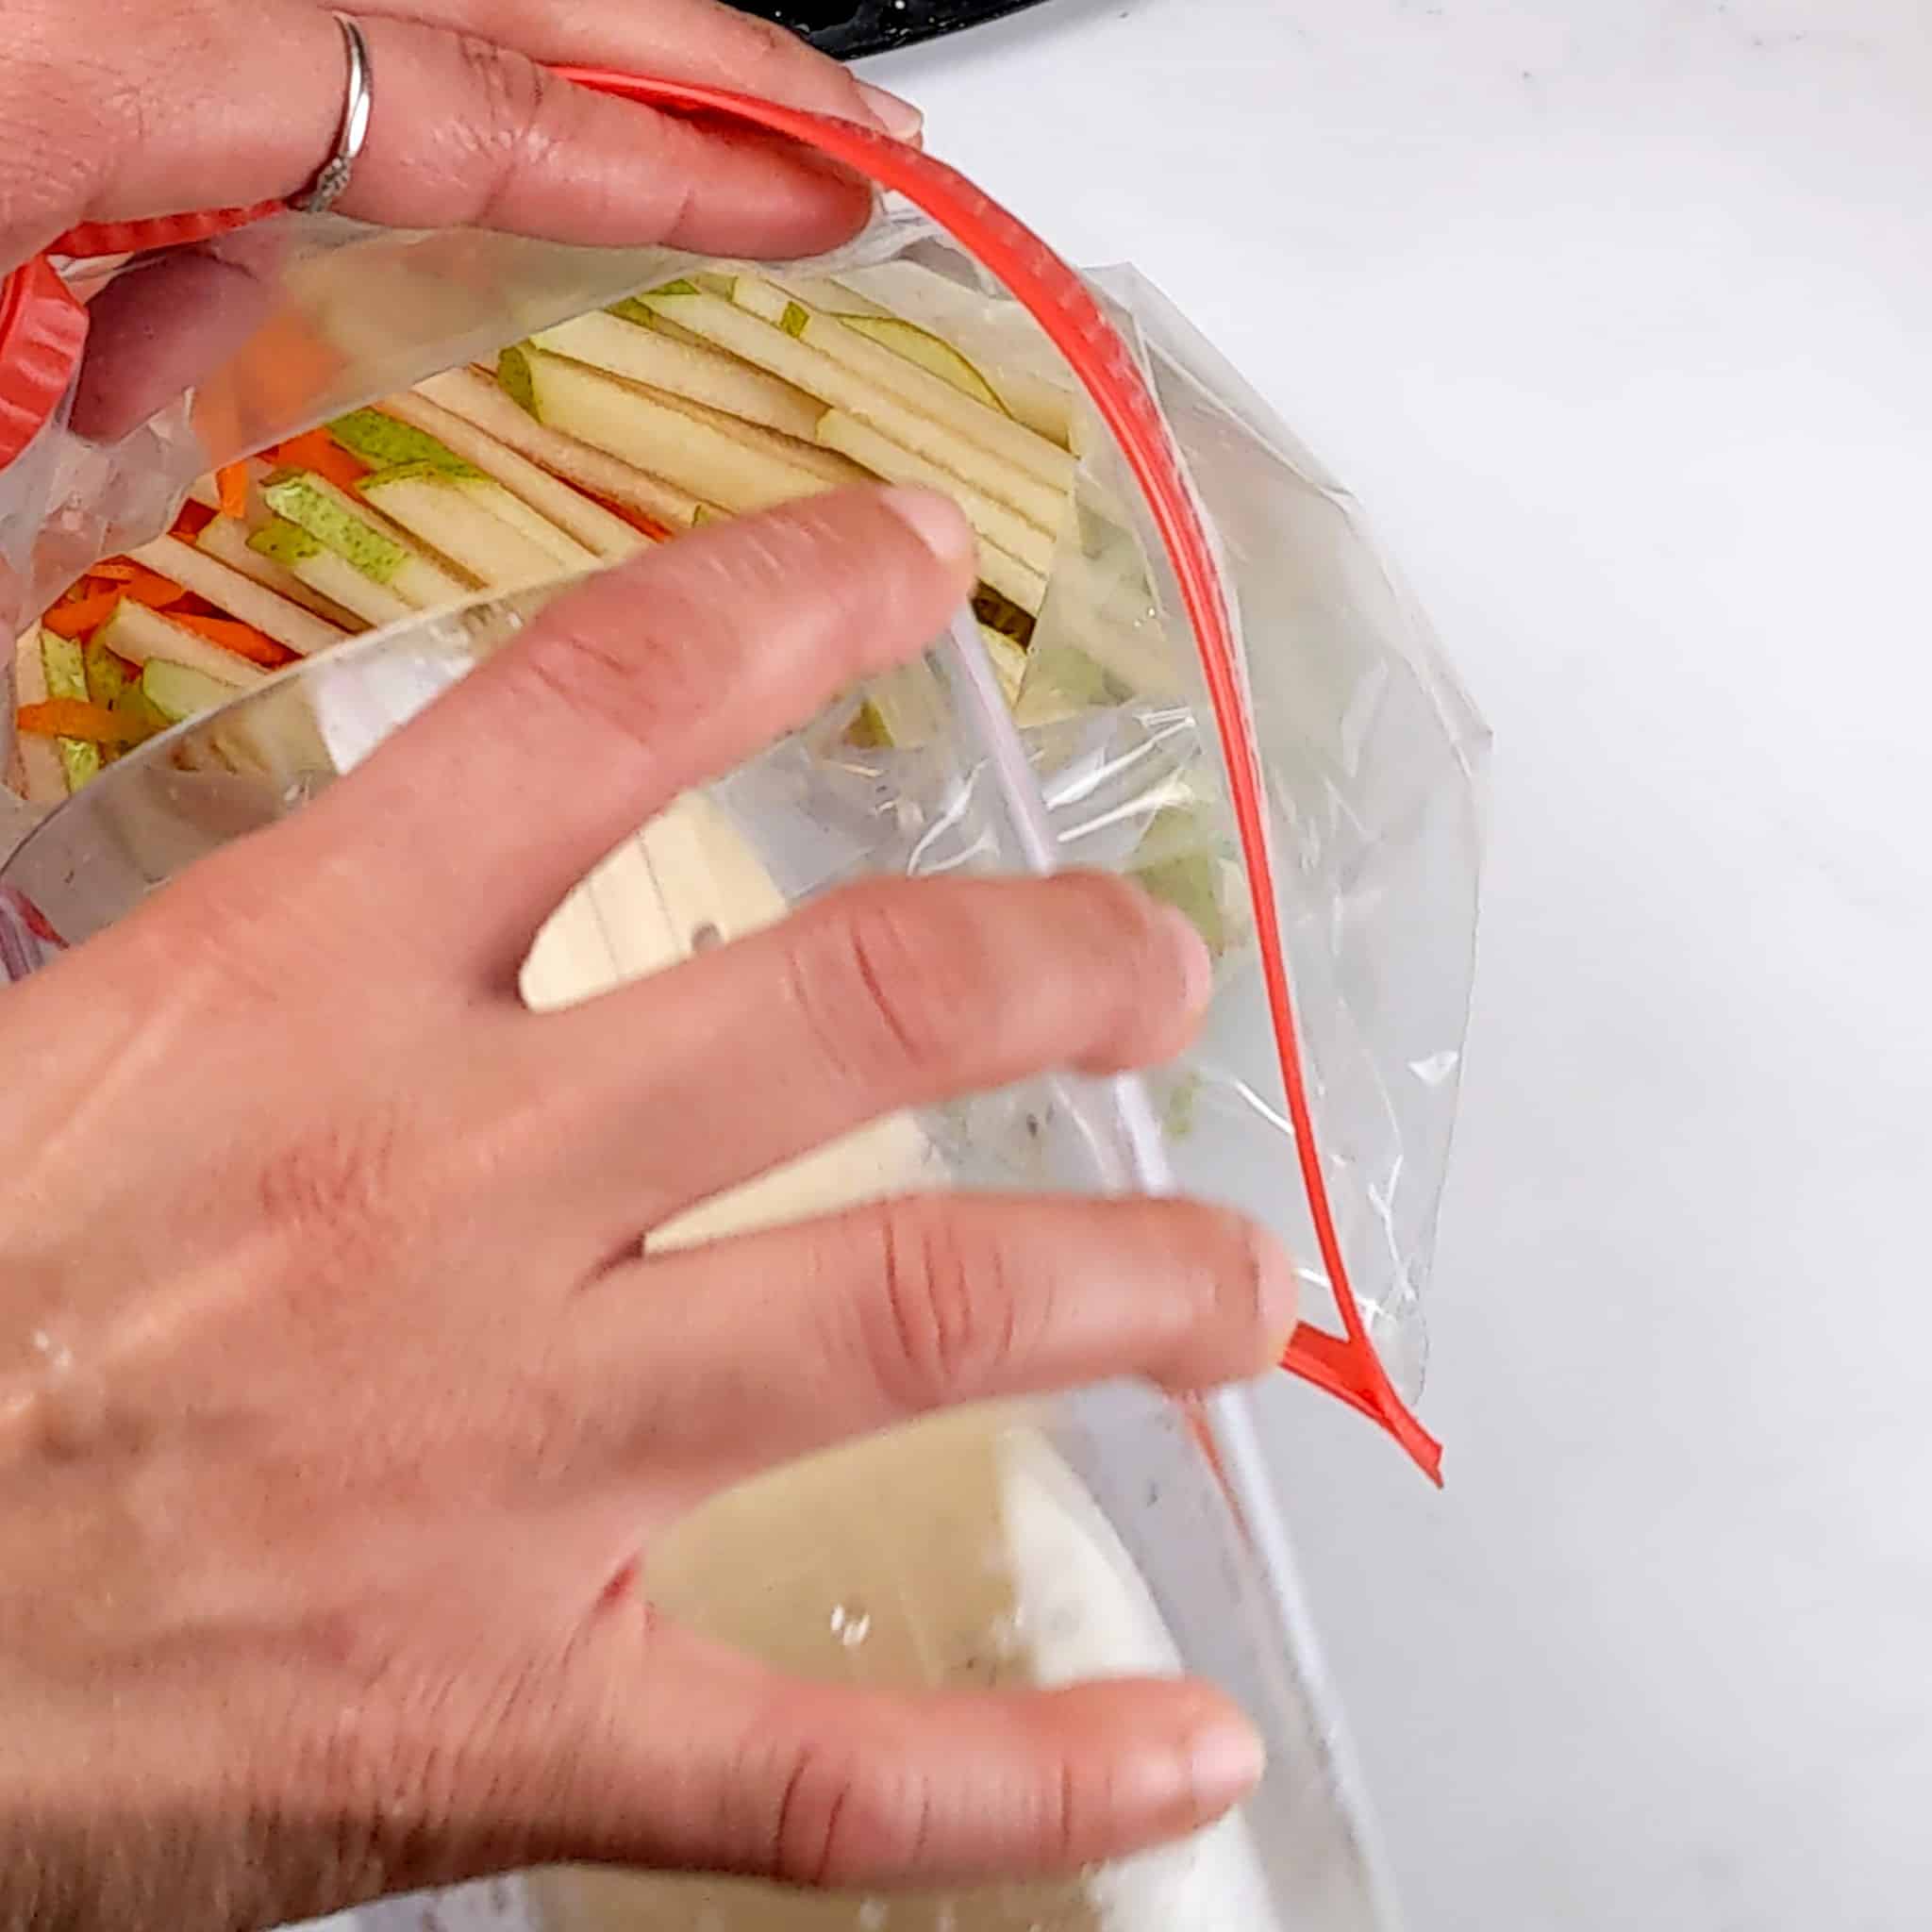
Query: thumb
694 1757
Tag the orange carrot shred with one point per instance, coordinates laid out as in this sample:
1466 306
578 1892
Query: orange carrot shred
194 518
231 489
242 638
76 620
115 569
73 718
156 591
319 450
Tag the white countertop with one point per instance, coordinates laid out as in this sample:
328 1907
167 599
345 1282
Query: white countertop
1616 313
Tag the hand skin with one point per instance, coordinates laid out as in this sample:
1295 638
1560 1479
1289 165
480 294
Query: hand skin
120 109
338 1412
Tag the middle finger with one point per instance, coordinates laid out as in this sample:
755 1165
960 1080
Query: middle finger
874 999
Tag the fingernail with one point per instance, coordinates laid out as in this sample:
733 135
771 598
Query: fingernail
900 119
1196 961
1225 1761
1277 1291
935 520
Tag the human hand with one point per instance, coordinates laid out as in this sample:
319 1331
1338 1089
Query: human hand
338 1412
120 109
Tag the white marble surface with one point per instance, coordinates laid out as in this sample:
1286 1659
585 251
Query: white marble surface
1617 314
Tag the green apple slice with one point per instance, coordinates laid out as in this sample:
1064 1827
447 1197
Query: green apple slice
485 406
456 515
681 369
65 667
341 523
979 418
930 352
391 445
108 676
385 444
896 464
239 595
180 691
806 366
629 422
310 561
227 540
600 531
139 635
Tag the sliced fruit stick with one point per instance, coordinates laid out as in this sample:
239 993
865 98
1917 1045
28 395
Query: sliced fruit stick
631 424
838 472
980 418
682 369
897 464
362 536
228 544
107 676
180 691
1009 661
42 774
139 634
390 445
456 515
932 352
332 577
1001 570
834 297
478 401
599 530
934 302
234 591
809 368
65 666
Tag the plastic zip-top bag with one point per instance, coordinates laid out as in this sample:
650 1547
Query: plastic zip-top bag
1184 663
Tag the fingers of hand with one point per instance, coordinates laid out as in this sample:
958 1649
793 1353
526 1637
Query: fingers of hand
760 1349
121 110
470 132
884 996
644 683
675 40
675 1754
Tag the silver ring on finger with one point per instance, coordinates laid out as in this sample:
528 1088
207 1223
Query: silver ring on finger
327 187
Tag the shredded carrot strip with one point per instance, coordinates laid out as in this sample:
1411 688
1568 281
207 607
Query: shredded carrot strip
231 489
116 570
73 718
156 591
656 532
193 520
319 450
242 638
76 620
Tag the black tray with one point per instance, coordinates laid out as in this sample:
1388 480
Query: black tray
847 28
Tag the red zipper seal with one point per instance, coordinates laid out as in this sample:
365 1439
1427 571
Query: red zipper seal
42 329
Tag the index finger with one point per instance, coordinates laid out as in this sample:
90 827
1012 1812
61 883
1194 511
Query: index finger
471 825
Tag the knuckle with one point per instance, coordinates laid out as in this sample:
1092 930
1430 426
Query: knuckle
878 981
945 1325
838 1820
607 680
512 97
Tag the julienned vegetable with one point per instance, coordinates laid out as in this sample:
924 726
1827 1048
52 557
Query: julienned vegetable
698 400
